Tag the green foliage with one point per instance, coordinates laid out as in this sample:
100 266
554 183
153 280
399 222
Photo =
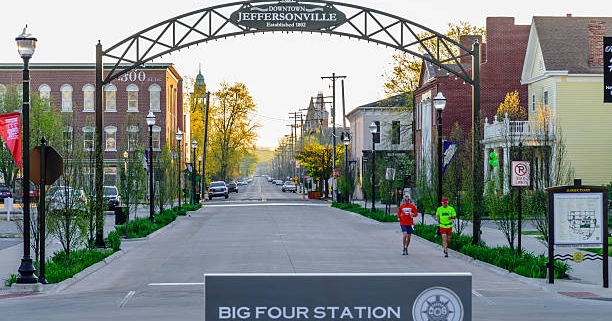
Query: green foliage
232 133
427 200
57 270
113 240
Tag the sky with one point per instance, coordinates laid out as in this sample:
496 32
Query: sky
281 71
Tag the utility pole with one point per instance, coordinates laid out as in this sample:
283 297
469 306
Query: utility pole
294 116
333 77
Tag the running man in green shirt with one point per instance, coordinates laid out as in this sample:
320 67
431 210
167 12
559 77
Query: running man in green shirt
445 215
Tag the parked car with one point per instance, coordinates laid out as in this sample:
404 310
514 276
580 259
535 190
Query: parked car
111 197
18 190
216 189
5 192
289 186
71 198
232 187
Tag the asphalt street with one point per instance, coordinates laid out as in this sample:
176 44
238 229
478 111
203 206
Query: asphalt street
260 230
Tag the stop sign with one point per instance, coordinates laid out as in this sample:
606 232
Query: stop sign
54 165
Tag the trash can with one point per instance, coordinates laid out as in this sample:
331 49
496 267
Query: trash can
121 213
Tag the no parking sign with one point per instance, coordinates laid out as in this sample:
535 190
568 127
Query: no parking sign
520 173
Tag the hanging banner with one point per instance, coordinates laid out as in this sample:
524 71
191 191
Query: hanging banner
10 132
450 148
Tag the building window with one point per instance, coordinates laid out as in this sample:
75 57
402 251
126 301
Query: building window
88 97
44 91
88 138
132 135
545 98
132 93
533 102
66 98
110 93
154 97
395 132
111 138
67 138
156 138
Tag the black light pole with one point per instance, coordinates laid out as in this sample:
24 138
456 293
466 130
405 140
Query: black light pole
179 139
128 176
151 122
26 45
439 103
346 177
373 130
200 196
194 145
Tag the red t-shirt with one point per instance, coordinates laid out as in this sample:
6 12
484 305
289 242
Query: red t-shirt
406 212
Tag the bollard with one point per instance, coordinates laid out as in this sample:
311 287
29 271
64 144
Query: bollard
8 204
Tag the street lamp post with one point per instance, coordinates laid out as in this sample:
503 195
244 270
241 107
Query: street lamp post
151 122
26 45
194 145
373 130
179 139
200 196
439 103
346 177
126 184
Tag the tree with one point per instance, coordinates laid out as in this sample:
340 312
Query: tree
406 70
164 172
232 131
457 182
316 160
69 222
133 181
511 106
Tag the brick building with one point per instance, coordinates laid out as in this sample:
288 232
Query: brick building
501 66
127 100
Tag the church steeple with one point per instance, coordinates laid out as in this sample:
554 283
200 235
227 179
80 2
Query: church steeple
200 79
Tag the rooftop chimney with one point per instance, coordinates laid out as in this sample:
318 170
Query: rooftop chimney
597 31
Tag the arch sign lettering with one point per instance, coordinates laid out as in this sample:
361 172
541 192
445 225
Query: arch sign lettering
289 16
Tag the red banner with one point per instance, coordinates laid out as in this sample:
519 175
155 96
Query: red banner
10 130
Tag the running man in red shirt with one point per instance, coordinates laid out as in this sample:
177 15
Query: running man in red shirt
405 213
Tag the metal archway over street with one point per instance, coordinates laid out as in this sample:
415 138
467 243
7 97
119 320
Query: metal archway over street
311 16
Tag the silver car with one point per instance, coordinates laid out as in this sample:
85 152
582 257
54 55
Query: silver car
68 198
216 189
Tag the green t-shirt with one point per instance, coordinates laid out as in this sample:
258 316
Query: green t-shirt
445 215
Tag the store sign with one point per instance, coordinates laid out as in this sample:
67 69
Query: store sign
607 69
288 15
